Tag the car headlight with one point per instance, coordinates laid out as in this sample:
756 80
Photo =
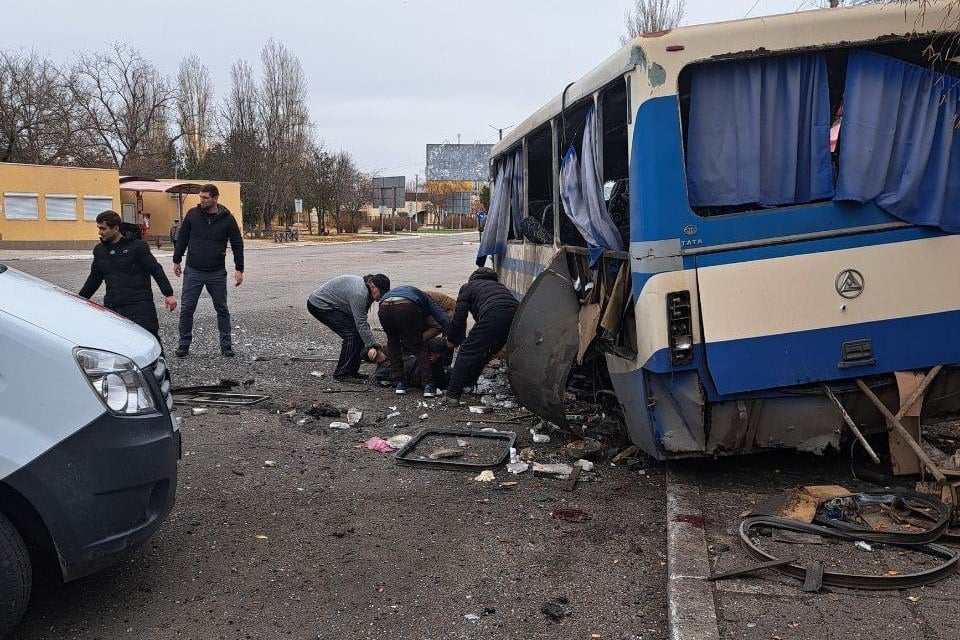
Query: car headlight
118 381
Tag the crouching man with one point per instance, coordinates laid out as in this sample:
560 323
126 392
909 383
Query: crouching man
493 307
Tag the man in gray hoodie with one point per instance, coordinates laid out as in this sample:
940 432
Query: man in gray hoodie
342 304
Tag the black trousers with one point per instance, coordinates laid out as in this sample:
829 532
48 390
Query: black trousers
144 314
405 323
342 324
486 338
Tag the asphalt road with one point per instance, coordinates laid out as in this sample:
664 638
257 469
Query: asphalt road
333 541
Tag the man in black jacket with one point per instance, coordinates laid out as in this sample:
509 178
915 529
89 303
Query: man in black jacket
203 235
493 308
124 261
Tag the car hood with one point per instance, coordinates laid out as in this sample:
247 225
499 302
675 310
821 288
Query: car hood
79 321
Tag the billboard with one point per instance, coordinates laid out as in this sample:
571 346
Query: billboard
389 192
457 203
458 162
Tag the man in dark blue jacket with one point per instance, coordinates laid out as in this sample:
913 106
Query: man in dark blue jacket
403 314
203 235
124 261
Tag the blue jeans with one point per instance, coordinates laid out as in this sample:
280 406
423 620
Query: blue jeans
194 281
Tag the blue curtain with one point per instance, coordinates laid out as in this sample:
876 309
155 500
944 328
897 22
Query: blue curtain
759 132
899 143
582 194
506 201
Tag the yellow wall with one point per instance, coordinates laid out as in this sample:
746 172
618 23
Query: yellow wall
163 208
43 180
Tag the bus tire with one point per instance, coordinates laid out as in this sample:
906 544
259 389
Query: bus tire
16 576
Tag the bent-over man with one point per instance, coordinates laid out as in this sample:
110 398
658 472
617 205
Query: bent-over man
342 304
125 262
403 314
493 307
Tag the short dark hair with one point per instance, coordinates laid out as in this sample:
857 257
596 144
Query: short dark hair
379 280
109 218
210 189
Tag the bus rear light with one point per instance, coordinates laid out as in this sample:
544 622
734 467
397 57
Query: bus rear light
680 328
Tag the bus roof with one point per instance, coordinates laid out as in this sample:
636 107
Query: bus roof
754 36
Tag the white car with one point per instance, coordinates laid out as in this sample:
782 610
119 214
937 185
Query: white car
88 447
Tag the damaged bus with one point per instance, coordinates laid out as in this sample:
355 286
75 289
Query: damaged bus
726 225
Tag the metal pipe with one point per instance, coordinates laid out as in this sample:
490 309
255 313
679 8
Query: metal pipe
852 425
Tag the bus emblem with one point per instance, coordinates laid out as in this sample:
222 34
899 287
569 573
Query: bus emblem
850 283
690 230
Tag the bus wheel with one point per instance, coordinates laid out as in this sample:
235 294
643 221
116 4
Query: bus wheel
15 576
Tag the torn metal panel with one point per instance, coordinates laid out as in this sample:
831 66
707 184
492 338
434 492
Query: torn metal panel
631 387
543 342
679 410
806 423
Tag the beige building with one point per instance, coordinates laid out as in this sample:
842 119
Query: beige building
43 206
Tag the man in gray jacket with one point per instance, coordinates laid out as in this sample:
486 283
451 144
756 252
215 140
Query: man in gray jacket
342 304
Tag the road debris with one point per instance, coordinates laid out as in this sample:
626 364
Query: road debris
399 441
561 471
485 476
585 465
323 410
443 454
571 515
354 416
863 546
269 463
539 438
378 444
480 409
199 411
391 416
584 448
339 425
517 468
629 452
317 374
556 609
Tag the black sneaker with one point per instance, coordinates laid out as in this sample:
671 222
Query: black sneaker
182 352
227 352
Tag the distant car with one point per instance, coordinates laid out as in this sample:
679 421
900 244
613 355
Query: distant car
88 464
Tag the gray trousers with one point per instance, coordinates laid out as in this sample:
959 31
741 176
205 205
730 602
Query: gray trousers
194 281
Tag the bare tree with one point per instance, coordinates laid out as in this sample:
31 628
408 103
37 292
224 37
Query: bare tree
285 123
194 109
126 103
241 149
39 121
650 16
360 193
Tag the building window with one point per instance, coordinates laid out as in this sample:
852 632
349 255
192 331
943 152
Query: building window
21 206
60 207
95 205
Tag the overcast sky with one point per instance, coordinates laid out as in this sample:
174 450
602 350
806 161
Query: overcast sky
385 76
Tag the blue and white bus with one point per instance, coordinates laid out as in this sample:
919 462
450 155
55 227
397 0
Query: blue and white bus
721 220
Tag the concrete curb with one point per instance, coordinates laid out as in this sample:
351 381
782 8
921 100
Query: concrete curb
691 608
